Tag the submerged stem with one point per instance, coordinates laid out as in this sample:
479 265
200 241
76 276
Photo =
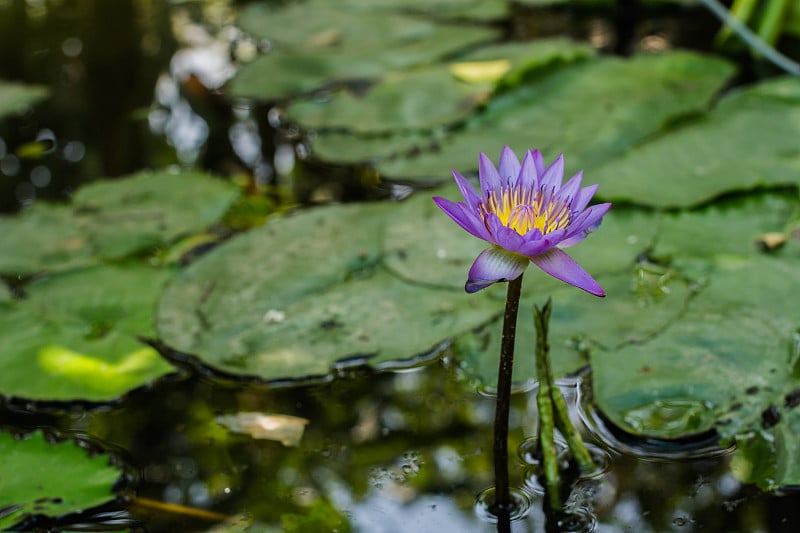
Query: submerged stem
502 407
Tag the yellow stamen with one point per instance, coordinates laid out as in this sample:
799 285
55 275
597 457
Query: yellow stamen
523 209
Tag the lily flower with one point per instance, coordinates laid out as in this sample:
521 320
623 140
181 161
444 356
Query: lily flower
527 215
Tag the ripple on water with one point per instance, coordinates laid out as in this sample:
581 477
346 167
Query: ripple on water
703 445
485 507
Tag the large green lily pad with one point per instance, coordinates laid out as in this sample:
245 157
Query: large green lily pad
149 209
38 477
593 112
112 219
718 153
730 362
337 44
42 237
76 336
402 101
294 298
15 97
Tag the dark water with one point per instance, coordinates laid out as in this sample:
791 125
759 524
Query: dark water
135 85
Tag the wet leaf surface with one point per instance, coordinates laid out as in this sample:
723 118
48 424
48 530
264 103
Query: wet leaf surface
43 478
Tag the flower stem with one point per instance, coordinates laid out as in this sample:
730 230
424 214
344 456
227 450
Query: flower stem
503 405
544 402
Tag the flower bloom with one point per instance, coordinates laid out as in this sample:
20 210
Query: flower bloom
527 215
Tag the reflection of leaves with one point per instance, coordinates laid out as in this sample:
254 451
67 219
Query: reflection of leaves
41 478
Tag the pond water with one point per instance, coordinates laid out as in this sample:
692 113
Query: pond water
138 85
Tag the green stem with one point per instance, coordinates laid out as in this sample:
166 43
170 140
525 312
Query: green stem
562 420
503 405
544 401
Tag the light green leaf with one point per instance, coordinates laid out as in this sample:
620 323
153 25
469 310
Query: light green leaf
41 478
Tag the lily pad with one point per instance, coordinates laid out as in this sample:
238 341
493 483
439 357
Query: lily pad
38 477
716 154
271 305
402 101
42 237
593 111
112 219
336 45
149 209
730 362
15 97
76 337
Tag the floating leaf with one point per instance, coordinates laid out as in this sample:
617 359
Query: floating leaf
245 309
402 101
149 209
41 238
729 361
334 45
112 219
41 478
748 141
286 429
76 336
15 97
593 111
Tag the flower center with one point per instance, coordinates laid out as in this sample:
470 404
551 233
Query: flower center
523 209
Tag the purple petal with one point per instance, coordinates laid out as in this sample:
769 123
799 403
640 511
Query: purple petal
504 236
461 216
583 197
569 190
552 177
492 265
588 218
490 179
538 160
536 247
467 191
508 166
561 266
528 174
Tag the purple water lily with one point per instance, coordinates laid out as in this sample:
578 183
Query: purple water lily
527 215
